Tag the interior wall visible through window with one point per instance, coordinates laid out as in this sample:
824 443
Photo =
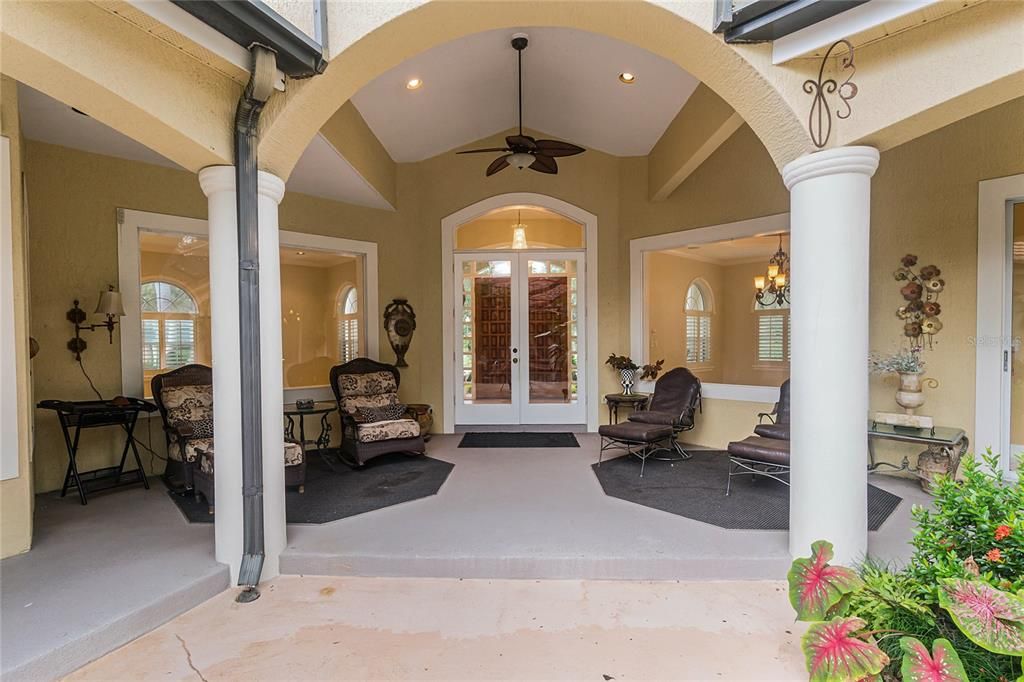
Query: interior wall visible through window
321 307
700 312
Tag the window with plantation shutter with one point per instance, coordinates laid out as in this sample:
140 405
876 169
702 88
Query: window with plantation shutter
348 324
168 326
698 324
773 332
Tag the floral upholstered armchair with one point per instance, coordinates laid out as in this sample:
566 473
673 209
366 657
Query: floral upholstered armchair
184 397
373 420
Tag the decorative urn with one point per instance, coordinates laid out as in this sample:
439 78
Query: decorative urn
399 323
628 378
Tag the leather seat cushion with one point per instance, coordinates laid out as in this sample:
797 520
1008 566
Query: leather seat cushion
776 431
758 449
636 432
654 417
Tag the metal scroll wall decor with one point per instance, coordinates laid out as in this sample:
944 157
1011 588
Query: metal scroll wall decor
399 323
819 122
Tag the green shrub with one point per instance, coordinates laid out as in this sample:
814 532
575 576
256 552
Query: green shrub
981 517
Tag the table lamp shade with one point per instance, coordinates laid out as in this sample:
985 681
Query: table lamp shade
110 304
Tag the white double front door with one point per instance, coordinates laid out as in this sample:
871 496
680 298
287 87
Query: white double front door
519 326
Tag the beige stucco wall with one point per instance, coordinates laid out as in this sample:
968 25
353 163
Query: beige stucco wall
925 199
16 501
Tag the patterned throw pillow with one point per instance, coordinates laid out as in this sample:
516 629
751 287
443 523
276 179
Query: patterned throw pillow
369 415
202 428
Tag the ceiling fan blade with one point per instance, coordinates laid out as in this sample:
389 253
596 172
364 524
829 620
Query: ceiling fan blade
558 148
498 164
526 141
544 164
481 151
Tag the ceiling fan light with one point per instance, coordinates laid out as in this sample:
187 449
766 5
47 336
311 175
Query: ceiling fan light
520 160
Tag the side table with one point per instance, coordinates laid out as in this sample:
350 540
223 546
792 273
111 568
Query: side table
323 409
941 442
636 401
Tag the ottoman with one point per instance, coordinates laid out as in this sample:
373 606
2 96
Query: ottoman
636 438
759 457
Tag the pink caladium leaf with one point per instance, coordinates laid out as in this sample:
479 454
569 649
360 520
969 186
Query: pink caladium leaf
815 587
942 664
991 618
834 652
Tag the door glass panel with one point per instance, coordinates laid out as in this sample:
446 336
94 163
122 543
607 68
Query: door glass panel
552 330
486 331
1016 340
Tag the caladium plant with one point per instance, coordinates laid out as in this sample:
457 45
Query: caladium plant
991 618
816 589
941 664
834 651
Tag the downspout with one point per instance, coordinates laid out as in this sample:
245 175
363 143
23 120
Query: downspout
247 116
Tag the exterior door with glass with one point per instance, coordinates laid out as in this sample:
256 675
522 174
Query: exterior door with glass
519 331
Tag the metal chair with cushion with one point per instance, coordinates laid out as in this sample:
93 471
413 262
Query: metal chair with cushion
767 452
373 420
670 411
184 397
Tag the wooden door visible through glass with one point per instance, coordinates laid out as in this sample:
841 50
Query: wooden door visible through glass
552 330
486 331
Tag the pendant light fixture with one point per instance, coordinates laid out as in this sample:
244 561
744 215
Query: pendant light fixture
519 232
772 288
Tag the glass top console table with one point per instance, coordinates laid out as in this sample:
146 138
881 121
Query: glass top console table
940 442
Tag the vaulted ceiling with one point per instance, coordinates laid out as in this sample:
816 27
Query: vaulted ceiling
571 90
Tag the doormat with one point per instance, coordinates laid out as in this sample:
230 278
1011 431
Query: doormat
523 439
695 488
331 495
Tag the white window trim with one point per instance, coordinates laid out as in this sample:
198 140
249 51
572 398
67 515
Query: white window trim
638 248
131 222
991 393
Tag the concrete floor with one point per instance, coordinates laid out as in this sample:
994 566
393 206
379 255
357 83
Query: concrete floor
98 576
540 513
448 629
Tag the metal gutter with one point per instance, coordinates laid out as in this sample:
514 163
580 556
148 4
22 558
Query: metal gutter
251 22
247 117
766 20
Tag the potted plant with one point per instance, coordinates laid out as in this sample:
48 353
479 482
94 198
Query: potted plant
909 367
628 369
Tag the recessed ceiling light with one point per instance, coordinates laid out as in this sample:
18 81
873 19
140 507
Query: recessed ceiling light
627 77
300 253
413 84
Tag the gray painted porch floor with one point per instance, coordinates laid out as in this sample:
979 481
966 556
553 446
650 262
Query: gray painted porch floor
99 576
541 513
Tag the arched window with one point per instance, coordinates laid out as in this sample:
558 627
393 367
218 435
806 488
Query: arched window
698 323
168 326
348 324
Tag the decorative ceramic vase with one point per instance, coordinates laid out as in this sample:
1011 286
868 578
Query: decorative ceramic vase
910 395
399 323
628 377
424 417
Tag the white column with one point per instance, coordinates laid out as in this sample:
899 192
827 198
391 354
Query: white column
218 183
830 222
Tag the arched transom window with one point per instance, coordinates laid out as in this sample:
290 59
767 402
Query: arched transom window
168 326
348 324
698 323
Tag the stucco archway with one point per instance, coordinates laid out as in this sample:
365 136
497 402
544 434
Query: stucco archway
680 35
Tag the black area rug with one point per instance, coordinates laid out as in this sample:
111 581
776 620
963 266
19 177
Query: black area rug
329 496
525 439
696 489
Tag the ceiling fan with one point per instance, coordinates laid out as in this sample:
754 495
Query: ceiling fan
524 151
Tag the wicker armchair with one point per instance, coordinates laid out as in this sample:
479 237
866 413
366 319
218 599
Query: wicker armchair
361 386
184 397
